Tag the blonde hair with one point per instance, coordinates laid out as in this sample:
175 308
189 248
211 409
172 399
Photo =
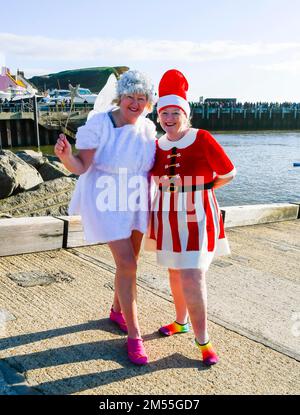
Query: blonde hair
188 119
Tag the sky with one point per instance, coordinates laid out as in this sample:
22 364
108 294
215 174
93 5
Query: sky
249 50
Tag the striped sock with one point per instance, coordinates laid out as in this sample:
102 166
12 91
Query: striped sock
209 356
174 328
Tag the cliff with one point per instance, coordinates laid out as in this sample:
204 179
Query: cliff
92 78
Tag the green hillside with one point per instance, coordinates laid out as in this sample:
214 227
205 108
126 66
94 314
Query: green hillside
92 78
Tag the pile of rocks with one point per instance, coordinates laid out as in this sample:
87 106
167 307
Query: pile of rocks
33 185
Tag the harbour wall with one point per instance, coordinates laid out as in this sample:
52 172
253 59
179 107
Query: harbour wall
21 133
250 120
36 234
17 128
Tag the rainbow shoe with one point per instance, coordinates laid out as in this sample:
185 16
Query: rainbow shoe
136 351
209 356
174 328
118 318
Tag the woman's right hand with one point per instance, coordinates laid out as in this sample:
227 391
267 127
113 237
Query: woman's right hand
62 148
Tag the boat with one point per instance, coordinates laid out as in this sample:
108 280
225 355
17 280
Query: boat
297 164
83 96
5 95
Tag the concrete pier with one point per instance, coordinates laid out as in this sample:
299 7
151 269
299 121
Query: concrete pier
212 119
55 336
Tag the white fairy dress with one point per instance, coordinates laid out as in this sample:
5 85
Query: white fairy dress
112 196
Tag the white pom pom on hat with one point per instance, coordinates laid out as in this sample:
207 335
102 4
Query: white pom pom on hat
172 91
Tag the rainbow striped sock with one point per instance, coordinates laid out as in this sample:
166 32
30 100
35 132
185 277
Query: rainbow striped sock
174 328
209 356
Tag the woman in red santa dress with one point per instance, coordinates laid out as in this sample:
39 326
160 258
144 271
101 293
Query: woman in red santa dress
186 228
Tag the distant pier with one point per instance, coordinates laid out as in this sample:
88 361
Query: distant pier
17 121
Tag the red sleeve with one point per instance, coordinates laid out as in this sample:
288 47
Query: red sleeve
216 156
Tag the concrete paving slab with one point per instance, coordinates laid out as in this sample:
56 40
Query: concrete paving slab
254 292
63 343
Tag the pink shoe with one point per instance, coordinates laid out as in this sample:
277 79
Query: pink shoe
136 351
118 318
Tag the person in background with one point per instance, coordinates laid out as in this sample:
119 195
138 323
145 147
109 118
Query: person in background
116 149
186 228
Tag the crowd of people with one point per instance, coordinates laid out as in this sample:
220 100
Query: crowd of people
247 105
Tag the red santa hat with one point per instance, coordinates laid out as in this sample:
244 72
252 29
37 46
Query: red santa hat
172 91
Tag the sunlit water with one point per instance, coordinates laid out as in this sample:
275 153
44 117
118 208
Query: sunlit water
264 163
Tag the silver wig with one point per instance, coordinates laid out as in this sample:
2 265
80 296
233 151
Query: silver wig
135 82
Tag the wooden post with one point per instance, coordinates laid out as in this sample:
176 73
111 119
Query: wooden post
47 141
28 140
8 133
36 122
18 128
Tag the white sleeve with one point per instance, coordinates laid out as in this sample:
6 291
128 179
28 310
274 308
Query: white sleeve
151 128
89 135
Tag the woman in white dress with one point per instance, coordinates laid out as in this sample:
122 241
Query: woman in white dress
116 152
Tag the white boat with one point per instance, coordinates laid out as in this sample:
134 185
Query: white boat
85 95
20 97
5 95
17 92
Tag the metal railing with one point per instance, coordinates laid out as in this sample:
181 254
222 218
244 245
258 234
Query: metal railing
43 107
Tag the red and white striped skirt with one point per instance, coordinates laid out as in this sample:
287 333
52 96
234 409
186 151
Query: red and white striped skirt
186 229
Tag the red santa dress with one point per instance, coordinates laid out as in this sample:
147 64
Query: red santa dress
186 227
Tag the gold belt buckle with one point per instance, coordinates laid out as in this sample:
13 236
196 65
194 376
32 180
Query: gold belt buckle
173 190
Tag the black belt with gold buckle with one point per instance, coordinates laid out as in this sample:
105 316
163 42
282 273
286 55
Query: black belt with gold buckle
192 188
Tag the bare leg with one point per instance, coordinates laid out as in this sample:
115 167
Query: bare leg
136 240
178 296
125 281
195 293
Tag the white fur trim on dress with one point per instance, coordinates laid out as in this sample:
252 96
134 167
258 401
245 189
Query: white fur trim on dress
165 144
232 173
187 259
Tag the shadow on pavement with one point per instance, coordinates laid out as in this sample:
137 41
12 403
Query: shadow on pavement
105 350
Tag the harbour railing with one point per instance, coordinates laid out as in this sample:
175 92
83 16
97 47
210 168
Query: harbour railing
44 107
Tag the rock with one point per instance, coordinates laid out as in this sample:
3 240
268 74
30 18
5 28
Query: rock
16 175
34 158
53 170
51 158
49 198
